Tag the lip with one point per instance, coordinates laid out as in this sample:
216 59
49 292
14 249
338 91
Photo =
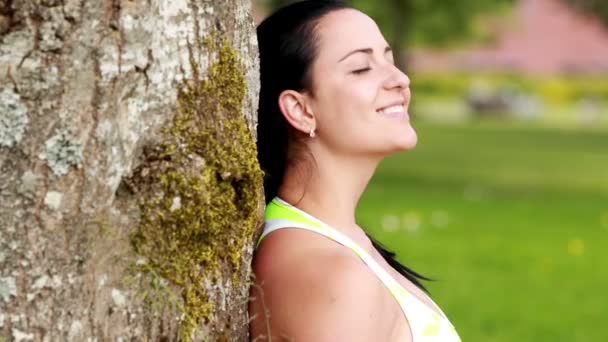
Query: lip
398 115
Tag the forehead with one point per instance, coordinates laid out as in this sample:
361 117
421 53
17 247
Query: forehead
342 31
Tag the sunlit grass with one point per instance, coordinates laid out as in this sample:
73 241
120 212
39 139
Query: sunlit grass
512 221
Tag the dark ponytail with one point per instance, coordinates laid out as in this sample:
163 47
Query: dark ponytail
287 44
405 271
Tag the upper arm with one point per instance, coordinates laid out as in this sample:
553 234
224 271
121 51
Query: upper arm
323 299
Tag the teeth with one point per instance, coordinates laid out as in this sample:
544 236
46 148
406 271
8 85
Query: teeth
393 109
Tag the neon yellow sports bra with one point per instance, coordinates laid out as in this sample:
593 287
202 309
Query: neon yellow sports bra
425 324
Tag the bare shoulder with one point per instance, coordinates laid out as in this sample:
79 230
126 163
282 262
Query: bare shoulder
317 290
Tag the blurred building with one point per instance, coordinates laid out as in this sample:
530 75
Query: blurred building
542 37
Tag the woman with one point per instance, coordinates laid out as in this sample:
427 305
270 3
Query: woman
332 106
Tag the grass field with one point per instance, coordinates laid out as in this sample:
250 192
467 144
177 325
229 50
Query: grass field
511 221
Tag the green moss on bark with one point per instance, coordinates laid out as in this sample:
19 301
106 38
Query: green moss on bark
200 188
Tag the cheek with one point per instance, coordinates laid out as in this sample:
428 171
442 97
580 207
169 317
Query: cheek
350 129
349 110
354 102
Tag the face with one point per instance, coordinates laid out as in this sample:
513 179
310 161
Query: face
360 99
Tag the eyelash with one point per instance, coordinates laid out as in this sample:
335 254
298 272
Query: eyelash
361 71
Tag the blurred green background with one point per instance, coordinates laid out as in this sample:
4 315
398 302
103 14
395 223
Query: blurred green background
512 222
504 202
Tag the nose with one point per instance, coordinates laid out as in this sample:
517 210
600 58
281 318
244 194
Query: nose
396 78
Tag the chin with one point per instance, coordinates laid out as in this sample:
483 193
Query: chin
408 140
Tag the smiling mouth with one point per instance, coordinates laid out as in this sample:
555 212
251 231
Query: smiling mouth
396 109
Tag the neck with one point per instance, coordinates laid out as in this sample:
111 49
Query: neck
330 189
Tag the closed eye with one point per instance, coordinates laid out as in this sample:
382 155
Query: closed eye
361 71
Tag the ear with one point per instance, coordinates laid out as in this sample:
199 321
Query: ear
296 110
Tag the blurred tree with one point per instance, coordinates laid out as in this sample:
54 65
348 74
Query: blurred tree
420 22
597 8
428 22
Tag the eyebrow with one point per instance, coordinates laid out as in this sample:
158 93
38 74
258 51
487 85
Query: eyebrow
368 51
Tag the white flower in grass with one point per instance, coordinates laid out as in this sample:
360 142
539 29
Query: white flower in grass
390 223
411 220
440 218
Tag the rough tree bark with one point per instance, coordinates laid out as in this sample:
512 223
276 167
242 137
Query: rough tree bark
129 189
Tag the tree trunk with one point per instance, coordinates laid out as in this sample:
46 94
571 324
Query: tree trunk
129 187
401 13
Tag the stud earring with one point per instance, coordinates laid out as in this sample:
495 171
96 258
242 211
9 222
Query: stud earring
312 133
